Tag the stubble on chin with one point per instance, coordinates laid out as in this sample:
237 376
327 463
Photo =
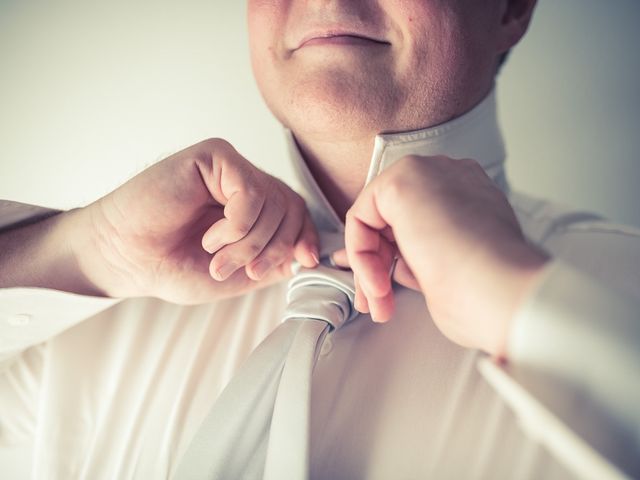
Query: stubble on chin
340 104
335 105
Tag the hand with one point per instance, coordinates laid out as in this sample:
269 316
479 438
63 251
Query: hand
457 240
199 225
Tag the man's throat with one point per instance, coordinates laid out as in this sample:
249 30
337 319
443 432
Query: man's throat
339 173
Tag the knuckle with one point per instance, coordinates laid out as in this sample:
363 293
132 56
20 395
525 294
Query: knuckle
224 152
241 229
263 181
435 162
276 258
215 143
253 191
253 249
277 209
410 163
293 196
395 188
279 199
297 204
279 247
411 159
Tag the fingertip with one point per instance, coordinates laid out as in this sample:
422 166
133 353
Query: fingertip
315 256
379 319
339 257
382 308
360 302
211 241
207 248
361 307
220 270
251 273
357 306
307 255
213 267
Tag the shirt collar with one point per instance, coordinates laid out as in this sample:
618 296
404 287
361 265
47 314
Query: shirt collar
476 135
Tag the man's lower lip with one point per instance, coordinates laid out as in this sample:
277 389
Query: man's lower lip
341 40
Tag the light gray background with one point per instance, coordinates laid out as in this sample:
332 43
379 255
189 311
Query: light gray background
92 91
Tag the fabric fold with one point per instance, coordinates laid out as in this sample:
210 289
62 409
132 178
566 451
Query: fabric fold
260 425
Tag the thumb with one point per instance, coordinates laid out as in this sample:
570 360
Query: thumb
339 258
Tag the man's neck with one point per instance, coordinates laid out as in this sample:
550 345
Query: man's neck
339 168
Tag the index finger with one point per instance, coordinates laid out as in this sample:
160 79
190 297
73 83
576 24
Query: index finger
236 187
369 252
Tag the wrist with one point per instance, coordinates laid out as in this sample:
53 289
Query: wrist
72 237
96 253
515 281
42 255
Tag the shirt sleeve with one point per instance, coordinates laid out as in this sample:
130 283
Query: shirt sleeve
585 334
29 316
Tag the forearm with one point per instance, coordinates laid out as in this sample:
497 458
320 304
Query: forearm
43 254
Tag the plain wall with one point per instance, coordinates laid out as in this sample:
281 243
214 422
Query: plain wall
92 92
570 106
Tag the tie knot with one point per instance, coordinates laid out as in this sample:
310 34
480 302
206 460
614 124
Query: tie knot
322 293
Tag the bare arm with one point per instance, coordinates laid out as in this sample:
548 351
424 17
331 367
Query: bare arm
199 225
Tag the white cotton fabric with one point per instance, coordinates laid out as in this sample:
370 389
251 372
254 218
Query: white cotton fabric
259 426
117 391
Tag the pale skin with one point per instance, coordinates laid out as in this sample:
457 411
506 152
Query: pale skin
198 225
339 72
462 247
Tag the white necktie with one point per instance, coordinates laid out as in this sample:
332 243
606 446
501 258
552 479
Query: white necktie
259 426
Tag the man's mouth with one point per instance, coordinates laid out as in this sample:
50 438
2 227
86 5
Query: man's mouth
339 38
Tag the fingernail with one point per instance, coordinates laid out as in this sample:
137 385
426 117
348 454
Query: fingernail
225 270
315 256
261 268
378 319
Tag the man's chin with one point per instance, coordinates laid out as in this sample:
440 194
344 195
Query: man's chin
339 107
331 121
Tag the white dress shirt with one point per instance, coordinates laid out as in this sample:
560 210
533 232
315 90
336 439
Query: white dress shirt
108 389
